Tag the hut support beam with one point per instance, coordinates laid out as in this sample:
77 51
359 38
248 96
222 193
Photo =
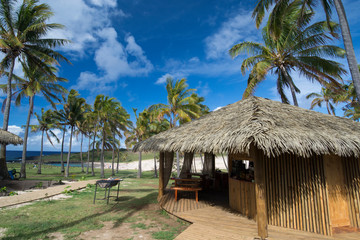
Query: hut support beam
260 191
161 176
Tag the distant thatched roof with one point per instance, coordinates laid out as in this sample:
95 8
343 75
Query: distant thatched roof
272 126
9 138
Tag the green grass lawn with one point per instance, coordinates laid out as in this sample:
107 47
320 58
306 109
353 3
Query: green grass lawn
50 172
136 213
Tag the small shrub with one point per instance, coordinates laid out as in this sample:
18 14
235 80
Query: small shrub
3 189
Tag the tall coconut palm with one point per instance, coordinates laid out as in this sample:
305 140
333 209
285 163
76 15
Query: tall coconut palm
35 83
326 96
23 33
138 133
90 125
74 112
82 130
112 118
301 48
47 122
61 118
183 106
276 23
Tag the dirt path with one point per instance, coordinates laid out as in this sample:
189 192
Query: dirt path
42 193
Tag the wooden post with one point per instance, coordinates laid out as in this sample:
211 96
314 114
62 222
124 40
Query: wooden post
260 192
161 176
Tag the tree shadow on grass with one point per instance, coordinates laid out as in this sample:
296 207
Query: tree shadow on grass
137 205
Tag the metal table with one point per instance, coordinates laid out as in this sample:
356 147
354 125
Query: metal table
107 184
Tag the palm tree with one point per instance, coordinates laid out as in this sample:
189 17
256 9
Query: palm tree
37 83
23 35
326 95
138 133
112 118
74 112
276 22
183 106
82 131
46 123
61 124
299 47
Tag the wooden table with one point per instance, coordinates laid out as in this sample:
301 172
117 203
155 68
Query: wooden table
188 185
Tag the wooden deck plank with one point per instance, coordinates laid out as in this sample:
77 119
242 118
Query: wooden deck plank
214 222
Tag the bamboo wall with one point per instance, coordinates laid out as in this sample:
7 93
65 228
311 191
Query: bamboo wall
296 193
352 179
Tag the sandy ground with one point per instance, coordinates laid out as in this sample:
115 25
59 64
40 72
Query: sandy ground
148 165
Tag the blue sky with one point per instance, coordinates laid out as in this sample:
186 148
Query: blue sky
126 49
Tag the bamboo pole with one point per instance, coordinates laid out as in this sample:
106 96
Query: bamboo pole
161 176
260 191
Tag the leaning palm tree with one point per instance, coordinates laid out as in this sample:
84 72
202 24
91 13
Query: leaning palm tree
301 48
326 96
35 83
276 21
23 34
74 111
46 123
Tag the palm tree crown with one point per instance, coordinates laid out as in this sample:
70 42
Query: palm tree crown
300 48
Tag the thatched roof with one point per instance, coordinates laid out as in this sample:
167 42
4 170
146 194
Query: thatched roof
9 138
272 126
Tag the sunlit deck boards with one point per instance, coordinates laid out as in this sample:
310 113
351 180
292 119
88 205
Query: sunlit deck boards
210 221
186 202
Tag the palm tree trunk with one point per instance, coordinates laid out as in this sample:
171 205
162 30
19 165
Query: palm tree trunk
62 151
155 170
113 160
327 107
102 175
4 174
177 164
118 160
291 84
81 157
139 168
23 158
93 152
349 48
88 157
69 154
41 153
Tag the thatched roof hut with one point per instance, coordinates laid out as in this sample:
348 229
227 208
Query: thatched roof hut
306 164
9 138
273 127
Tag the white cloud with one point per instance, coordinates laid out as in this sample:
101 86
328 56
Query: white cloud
114 61
103 3
163 78
82 22
203 89
237 29
15 129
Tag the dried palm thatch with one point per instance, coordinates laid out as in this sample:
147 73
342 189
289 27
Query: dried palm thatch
271 126
9 138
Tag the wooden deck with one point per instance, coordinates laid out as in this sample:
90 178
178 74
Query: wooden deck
212 219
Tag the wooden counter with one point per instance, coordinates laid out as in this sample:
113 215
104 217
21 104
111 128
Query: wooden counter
242 197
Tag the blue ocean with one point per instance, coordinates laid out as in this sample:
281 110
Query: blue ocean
15 156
